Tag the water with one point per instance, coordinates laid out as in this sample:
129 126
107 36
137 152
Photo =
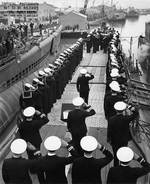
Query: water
131 27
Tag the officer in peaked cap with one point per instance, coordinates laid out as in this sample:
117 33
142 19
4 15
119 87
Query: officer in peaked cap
87 169
76 122
29 130
52 165
125 173
118 126
26 98
83 84
16 169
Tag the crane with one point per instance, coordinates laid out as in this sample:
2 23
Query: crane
83 11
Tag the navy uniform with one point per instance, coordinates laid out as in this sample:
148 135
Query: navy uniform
124 173
15 170
87 169
26 98
29 129
83 84
76 122
52 165
37 96
111 98
118 127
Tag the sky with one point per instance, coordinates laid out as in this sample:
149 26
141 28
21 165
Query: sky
80 3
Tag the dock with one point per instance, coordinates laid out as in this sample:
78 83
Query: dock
97 124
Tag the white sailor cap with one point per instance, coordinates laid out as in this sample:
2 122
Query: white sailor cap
27 85
120 106
114 85
18 146
41 73
29 111
52 143
47 70
83 71
78 101
125 154
114 72
36 80
88 143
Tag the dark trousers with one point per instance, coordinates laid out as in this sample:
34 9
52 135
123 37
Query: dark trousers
84 95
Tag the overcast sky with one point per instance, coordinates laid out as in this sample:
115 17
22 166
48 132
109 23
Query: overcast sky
79 3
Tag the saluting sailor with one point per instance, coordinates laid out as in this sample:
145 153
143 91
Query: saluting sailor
29 130
52 165
15 170
125 173
76 122
83 84
87 169
118 127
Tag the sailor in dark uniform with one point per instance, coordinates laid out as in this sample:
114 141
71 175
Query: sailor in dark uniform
87 169
111 97
44 89
29 130
125 173
37 96
76 122
52 165
26 98
118 127
83 84
15 170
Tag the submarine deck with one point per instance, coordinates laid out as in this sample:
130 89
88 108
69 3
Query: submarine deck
97 124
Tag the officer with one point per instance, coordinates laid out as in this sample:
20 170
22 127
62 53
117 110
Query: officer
87 169
124 173
83 84
15 170
76 122
52 165
118 127
29 130
88 43
26 98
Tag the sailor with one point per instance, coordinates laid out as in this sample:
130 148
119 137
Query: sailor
31 28
125 173
26 98
111 97
88 43
15 170
76 122
87 169
50 80
37 96
29 130
83 84
118 126
52 165
44 90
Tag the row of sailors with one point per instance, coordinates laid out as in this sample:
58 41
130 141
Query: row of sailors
97 39
118 112
54 169
51 81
